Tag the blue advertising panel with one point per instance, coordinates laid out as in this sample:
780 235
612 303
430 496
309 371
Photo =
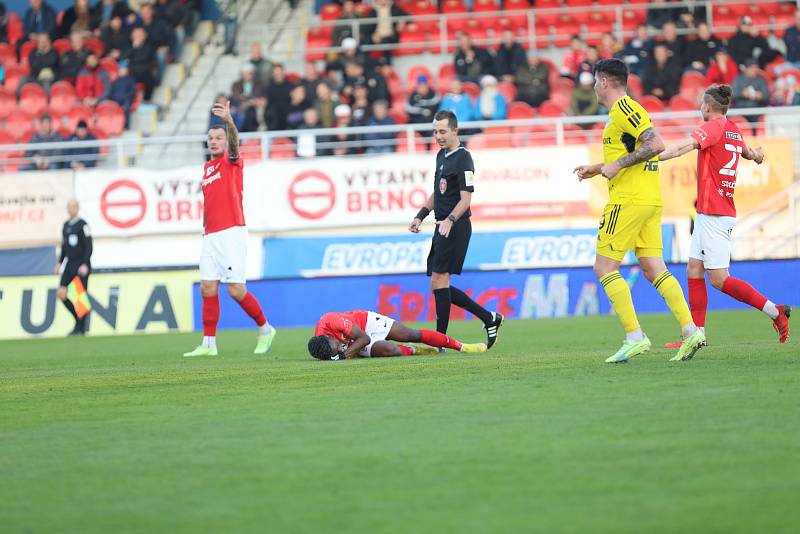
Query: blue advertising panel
287 257
526 294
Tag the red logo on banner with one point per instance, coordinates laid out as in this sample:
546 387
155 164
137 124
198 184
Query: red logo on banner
123 204
312 195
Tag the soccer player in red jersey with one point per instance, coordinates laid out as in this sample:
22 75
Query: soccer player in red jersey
366 334
225 236
720 144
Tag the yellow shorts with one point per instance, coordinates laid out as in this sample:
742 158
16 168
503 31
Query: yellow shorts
625 227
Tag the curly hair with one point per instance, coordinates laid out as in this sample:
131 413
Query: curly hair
320 348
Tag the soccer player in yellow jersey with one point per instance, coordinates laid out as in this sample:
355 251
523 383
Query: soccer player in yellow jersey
632 218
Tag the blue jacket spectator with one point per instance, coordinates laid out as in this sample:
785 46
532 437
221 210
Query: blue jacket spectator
637 52
83 157
491 105
457 101
43 159
40 17
123 89
792 40
382 142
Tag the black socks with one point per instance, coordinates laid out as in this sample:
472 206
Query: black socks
442 298
462 300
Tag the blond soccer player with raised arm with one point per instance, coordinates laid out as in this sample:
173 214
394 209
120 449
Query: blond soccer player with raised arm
632 218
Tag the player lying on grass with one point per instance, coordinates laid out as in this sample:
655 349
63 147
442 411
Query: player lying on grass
366 334
720 145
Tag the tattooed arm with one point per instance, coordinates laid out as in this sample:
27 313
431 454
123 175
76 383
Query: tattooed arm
652 145
754 154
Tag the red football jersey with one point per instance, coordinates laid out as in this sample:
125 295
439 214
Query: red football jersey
222 193
340 325
721 146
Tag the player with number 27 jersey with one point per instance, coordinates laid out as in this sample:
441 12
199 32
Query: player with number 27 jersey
720 144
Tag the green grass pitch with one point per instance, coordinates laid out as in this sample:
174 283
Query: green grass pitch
122 434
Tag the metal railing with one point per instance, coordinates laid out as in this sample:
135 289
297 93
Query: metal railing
535 35
411 138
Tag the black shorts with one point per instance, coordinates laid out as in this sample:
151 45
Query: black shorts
70 272
447 254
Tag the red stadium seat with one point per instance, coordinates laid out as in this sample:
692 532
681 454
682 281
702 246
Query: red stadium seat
508 90
399 115
111 66
549 108
411 38
575 135
652 104
521 110
110 117
79 112
61 46
8 103
484 6
282 148
679 103
632 18
511 5
635 87
453 6
19 124
6 139
62 98
316 40
96 46
417 70
330 11
7 54
564 28
403 144
15 29
472 89
33 98
251 150
26 49
498 136
563 85
422 7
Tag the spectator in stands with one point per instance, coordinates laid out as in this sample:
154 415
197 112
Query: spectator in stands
3 24
340 33
423 102
690 17
660 12
178 16
380 142
123 90
307 142
342 114
387 30
73 60
160 36
750 89
238 117
109 9
662 75
637 52
360 107
533 82
43 159
457 101
723 69
700 51
229 15
792 40
80 17
592 57
311 79
508 57
116 38
82 157
584 99
93 84
251 95
141 60
609 46
674 42
350 52
784 91
278 98
576 55
43 62
39 18
749 43
325 103
472 62
262 65
490 105
377 87
298 104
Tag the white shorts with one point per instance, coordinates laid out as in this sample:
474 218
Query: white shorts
224 255
377 329
711 240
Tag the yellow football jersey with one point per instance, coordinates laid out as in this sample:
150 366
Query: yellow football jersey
638 184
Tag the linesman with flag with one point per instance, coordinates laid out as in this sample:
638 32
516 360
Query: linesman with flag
75 265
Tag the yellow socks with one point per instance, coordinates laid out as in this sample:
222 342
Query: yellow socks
620 296
669 288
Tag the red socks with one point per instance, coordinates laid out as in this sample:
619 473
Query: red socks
251 306
698 300
210 315
744 292
405 350
437 339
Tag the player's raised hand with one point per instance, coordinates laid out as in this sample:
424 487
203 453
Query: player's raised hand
414 226
223 111
585 172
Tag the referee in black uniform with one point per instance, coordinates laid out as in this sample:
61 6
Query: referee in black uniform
76 248
452 194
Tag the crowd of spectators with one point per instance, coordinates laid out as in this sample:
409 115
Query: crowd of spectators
353 88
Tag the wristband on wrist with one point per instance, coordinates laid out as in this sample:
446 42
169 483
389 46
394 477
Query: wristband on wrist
451 218
422 213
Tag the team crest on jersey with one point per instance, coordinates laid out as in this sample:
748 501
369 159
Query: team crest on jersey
442 185
733 135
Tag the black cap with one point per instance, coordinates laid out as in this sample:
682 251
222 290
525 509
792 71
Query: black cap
82 124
